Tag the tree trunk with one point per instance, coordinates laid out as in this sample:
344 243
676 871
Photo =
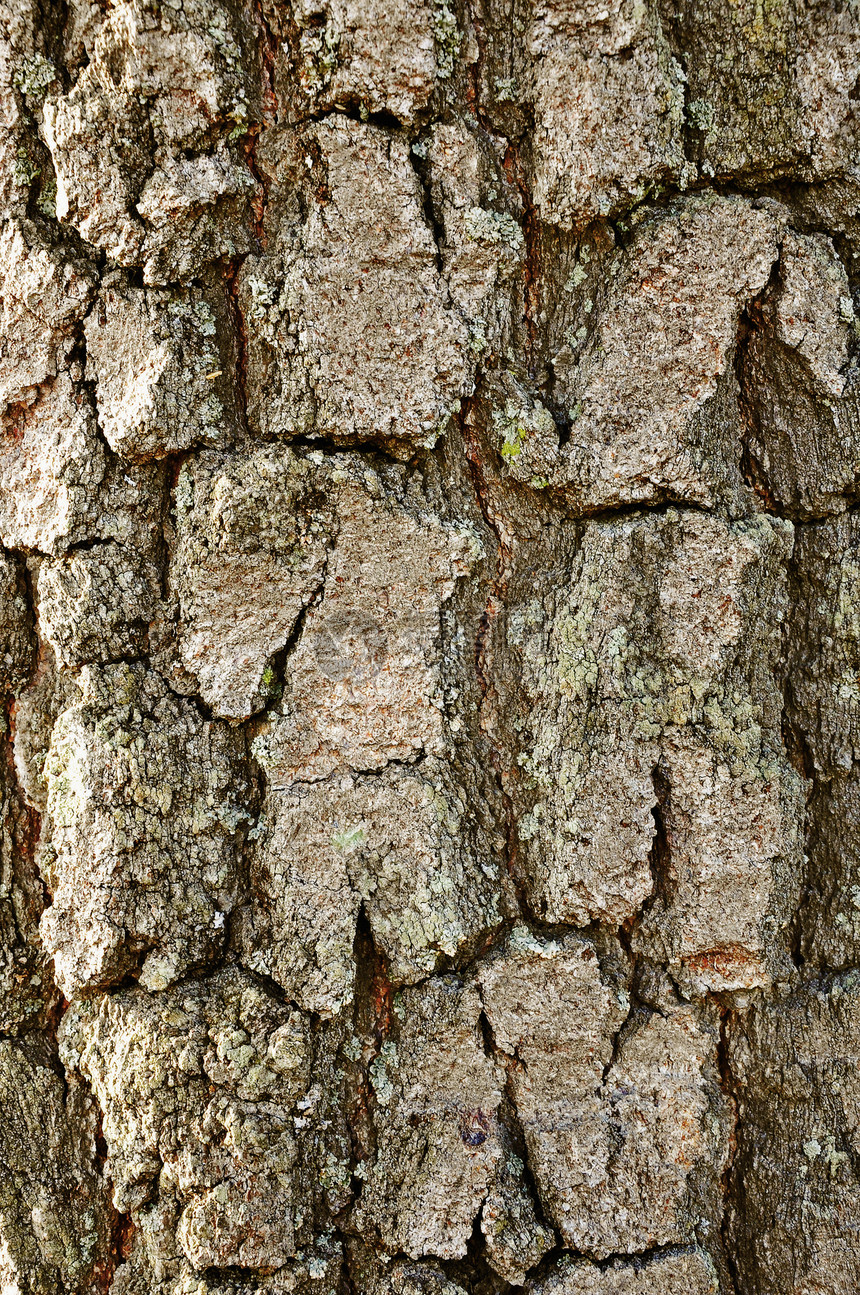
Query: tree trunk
430 647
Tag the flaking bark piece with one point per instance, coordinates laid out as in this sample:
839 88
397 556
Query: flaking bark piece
45 290
671 1272
52 464
801 385
640 681
478 216
373 54
608 105
515 1238
27 991
138 845
366 683
769 92
159 359
59 484
351 334
626 1139
823 710
27 45
16 630
97 604
264 534
379 1276
406 845
647 385
143 141
437 1132
253 531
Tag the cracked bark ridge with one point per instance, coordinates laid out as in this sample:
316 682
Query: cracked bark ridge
346 308
429 472
600 1105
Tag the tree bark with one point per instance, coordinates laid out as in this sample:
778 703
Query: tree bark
430 647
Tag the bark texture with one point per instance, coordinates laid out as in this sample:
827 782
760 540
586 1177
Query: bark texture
430 647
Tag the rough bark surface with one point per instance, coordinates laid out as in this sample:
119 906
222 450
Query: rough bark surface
430 647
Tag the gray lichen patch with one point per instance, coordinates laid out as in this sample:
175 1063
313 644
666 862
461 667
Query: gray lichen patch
158 359
612 689
207 1092
350 331
138 846
55 1216
626 1140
